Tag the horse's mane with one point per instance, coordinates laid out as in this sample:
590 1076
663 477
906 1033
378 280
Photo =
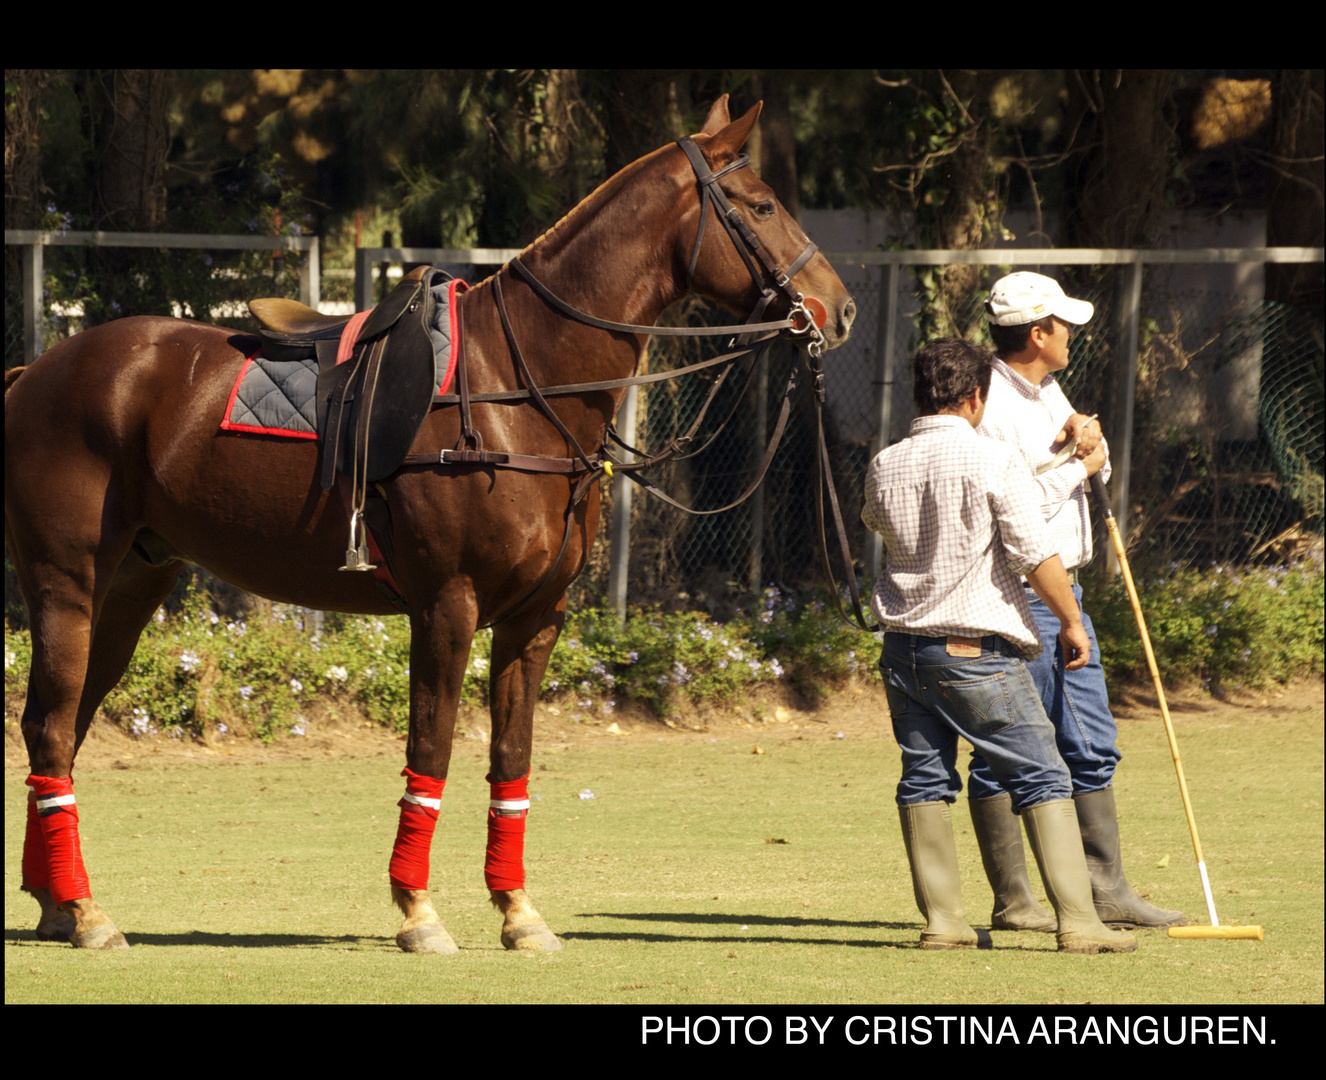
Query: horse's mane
606 188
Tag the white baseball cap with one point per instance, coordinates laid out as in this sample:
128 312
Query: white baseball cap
1025 297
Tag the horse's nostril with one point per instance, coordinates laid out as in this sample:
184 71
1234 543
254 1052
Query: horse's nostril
849 312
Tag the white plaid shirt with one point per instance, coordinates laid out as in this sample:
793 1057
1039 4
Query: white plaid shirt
960 522
1028 418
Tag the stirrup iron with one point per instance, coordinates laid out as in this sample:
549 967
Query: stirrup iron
356 557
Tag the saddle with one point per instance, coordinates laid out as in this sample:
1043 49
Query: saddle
373 391
371 405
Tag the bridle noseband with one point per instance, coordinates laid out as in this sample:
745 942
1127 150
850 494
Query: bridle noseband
769 278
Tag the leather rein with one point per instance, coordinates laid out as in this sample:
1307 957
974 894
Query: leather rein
772 281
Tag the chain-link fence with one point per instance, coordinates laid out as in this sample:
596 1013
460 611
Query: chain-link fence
1224 445
1226 441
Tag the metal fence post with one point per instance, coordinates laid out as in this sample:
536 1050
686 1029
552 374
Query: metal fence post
363 278
884 350
619 553
33 305
1121 456
310 277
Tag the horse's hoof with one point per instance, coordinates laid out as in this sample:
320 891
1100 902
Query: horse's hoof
104 936
429 938
535 936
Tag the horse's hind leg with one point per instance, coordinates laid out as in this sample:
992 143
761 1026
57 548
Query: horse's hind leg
77 660
60 616
521 650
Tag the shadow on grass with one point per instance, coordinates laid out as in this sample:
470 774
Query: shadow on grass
353 941
727 939
793 922
232 941
714 918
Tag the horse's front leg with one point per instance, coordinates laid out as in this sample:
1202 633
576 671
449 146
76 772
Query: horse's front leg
521 649
440 638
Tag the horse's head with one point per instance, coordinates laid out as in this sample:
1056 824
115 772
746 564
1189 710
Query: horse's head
728 275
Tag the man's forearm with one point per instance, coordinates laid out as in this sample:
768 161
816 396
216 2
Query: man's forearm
1051 584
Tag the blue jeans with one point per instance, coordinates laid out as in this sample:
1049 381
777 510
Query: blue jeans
989 700
1076 703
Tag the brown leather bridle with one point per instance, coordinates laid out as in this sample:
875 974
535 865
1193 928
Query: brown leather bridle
772 282
770 279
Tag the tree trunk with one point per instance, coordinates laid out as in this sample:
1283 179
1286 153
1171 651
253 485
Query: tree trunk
25 93
640 109
132 144
1294 215
1116 188
772 147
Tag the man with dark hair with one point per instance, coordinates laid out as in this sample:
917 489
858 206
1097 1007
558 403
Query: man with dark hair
1031 323
960 523
944 374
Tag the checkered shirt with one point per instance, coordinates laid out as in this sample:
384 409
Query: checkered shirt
1028 418
960 522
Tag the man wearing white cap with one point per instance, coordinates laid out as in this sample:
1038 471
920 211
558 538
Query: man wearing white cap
1031 322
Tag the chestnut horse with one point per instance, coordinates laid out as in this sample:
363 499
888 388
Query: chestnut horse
116 476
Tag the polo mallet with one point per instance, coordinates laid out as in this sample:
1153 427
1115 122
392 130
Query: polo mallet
1215 930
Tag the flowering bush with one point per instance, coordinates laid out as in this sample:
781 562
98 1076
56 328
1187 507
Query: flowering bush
1230 627
196 673
662 659
820 648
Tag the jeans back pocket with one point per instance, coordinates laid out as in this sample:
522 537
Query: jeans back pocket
983 704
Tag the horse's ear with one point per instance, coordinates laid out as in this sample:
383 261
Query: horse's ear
717 119
726 143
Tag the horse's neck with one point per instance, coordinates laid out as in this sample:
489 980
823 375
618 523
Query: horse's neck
611 257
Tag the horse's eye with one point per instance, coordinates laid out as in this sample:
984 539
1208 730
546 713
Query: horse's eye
764 209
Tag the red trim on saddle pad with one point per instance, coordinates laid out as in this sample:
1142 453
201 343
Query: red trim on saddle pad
57 822
504 859
414 833
454 289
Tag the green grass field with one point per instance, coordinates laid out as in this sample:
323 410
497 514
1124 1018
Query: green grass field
698 873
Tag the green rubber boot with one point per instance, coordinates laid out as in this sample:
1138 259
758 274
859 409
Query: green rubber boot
1057 842
1117 903
999 836
927 832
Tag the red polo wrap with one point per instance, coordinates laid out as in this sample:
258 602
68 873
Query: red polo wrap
64 874
414 833
36 869
504 859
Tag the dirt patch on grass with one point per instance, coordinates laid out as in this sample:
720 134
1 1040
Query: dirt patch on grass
767 718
